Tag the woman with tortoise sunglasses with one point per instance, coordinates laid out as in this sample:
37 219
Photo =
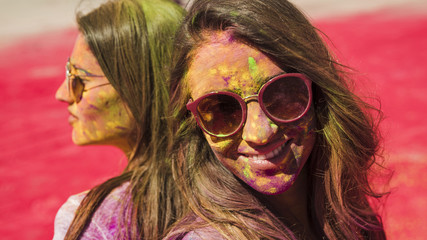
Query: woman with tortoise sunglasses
116 91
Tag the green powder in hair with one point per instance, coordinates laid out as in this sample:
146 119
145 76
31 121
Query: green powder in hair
234 13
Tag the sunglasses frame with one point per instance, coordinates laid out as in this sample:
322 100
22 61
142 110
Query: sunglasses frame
192 105
69 75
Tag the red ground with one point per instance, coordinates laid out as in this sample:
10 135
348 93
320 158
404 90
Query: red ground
40 167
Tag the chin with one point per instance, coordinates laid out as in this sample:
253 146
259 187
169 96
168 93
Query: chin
79 142
274 190
82 140
274 187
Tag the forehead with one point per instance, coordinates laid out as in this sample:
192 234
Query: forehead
83 57
222 63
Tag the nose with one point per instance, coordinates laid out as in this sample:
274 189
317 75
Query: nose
258 129
62 94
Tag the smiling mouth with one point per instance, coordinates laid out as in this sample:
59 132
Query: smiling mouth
271 161
269 155
273 157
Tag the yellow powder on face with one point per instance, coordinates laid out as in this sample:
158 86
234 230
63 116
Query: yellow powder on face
246 76
104 93
247 170
272 190
262 181
247 173
285 177
99 133
234 83
223 70
220 146
113 124
212 71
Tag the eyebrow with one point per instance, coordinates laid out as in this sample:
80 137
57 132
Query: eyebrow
262 81
259 81
87 73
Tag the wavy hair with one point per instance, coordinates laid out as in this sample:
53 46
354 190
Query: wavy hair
347 143
132 41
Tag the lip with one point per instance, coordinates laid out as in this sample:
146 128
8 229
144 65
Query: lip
268 160
72 118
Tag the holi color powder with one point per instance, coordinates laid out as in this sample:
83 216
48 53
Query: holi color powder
253 68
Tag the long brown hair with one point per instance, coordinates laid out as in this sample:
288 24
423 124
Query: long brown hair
132 41
347 144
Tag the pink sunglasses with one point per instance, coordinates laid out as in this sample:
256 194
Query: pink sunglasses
284 98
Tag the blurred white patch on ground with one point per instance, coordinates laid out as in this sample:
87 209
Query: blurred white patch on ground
20 18
332 8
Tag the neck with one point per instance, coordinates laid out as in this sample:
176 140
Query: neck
291 206
125 147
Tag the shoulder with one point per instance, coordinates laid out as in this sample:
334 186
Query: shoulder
193 228
206 233
103 224
65 215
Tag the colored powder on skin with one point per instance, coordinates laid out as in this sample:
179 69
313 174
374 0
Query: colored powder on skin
222 145
212 71
235 86
247 173
287 178
262 181
230 38
85 134
272 125
98 133
272 190
93 107
245 76
253 67
223 70
226 79
296 151
246 169
112 124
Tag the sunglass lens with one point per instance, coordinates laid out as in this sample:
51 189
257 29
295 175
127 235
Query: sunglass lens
220 114
77 88
286 98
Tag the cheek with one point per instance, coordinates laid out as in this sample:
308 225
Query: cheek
225 151
220 147
104 111
303 128
304 135
91 112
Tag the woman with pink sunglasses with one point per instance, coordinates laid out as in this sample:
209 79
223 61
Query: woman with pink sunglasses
270 141
116 91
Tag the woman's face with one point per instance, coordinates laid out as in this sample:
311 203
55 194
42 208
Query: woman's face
100 116
266 155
